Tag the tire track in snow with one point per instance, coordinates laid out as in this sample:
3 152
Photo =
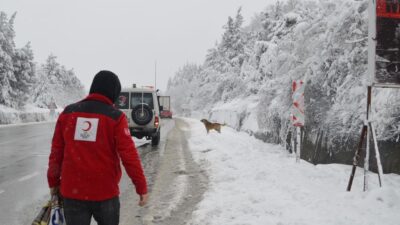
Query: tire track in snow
179 185
171 187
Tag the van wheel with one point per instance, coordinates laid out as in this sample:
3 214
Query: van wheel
155 140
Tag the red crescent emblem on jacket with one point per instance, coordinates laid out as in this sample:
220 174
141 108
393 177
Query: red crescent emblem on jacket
88 127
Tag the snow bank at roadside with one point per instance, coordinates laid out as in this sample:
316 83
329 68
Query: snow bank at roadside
252 182
240 114
29 114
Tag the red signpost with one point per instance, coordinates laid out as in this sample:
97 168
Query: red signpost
386 17
297 115
388 9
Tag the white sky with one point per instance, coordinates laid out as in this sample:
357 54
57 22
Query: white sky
124 36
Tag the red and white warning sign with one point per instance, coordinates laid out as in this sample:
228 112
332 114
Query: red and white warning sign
297 115
386 40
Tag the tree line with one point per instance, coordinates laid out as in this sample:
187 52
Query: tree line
23 81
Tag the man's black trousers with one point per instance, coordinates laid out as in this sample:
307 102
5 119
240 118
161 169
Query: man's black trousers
79 212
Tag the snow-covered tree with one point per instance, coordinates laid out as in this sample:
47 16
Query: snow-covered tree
229 54
7 48
185 82
21 82
56 84
232 43
24 73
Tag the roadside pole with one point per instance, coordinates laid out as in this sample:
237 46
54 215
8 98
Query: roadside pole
297 115
298 152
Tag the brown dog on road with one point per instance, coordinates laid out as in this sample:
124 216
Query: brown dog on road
209 126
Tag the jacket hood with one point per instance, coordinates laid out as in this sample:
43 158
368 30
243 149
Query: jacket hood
106 83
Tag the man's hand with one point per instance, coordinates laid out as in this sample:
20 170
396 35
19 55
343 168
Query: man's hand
143 199
54 190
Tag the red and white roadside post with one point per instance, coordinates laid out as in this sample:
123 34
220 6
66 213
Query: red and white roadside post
297 115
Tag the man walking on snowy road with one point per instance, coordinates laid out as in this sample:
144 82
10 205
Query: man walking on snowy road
90 138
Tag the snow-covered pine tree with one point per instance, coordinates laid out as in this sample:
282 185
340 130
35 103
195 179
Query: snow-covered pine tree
52 69
187 81
214 59
46 89
72 85
56 83
232 43
7 47
24 72
41 94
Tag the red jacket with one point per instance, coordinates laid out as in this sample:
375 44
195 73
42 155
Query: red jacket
90 138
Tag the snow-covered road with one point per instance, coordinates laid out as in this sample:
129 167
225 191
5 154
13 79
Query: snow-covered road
254 183
176 184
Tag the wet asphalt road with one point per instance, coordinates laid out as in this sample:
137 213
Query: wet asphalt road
24 152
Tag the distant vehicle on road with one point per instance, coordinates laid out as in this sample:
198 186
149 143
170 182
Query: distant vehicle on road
165 106
142 110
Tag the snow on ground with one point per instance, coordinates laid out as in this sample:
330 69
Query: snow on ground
238 113
252 182
28 114
140 142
